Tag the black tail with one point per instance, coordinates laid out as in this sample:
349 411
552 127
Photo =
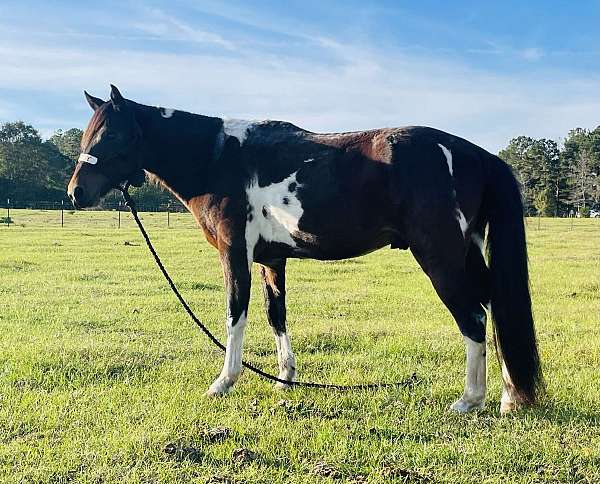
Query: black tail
510 299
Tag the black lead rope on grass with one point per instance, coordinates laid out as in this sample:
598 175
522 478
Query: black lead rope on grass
408 382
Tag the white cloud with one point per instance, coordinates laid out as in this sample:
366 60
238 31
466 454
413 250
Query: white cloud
531 53
160 24
364 89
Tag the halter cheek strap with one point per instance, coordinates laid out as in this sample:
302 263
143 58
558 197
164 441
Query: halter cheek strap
85 158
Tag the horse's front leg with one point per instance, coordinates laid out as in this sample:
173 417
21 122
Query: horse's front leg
273 283
236 273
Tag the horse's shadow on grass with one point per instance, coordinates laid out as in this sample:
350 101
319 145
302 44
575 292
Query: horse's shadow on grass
560 413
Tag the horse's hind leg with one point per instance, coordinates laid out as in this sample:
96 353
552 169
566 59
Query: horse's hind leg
273 284
479 272
455 277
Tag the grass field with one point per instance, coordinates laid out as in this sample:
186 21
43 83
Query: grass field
100 369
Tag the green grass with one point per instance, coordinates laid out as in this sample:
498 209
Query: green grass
100 369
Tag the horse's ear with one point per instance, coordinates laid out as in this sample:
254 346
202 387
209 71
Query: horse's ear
116 98
94 102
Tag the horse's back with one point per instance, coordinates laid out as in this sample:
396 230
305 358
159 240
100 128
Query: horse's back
362 190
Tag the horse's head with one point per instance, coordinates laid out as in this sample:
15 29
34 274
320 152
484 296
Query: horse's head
110 151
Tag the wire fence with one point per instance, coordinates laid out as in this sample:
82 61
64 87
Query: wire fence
114 214
20 213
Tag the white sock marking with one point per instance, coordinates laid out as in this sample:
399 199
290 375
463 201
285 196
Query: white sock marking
448 155
232 366
507 380
475 378
475 383
273 219
507 401
166 112
285 357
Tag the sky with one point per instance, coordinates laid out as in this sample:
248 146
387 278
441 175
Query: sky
486 71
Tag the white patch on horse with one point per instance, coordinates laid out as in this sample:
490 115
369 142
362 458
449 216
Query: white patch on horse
232 367
448 155
309 160
273 213
462 221
507 401
237 128
286 359
460 217
475 380
166 112
478 241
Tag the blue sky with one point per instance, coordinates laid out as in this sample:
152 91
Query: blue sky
487 71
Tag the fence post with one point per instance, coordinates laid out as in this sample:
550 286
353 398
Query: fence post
62 213
169 215
119 216
8 212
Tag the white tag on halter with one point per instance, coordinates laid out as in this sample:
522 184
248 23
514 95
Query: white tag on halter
85 158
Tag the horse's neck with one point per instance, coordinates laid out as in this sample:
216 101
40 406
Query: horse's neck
178 149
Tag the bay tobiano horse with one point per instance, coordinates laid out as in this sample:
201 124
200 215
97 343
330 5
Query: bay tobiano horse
266 191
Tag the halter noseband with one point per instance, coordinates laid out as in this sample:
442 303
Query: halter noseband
85 158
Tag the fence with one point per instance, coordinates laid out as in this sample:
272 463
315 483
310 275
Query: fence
111 214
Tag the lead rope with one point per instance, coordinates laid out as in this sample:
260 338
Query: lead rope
408 382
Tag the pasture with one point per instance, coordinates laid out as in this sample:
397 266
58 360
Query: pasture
101 370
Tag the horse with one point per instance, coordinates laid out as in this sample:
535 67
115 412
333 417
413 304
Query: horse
266 191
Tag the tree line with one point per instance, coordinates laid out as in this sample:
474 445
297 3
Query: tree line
34 170
556 180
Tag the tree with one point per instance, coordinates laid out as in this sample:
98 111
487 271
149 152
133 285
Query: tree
21 153
537 165
28 164
542 201
581 154
552 177
68 142
67 145
19 132
515 154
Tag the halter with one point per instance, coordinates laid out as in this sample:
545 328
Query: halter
135 178
86 158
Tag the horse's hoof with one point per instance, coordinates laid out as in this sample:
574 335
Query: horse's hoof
219 388
287 373
214 393
463 406
508 406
